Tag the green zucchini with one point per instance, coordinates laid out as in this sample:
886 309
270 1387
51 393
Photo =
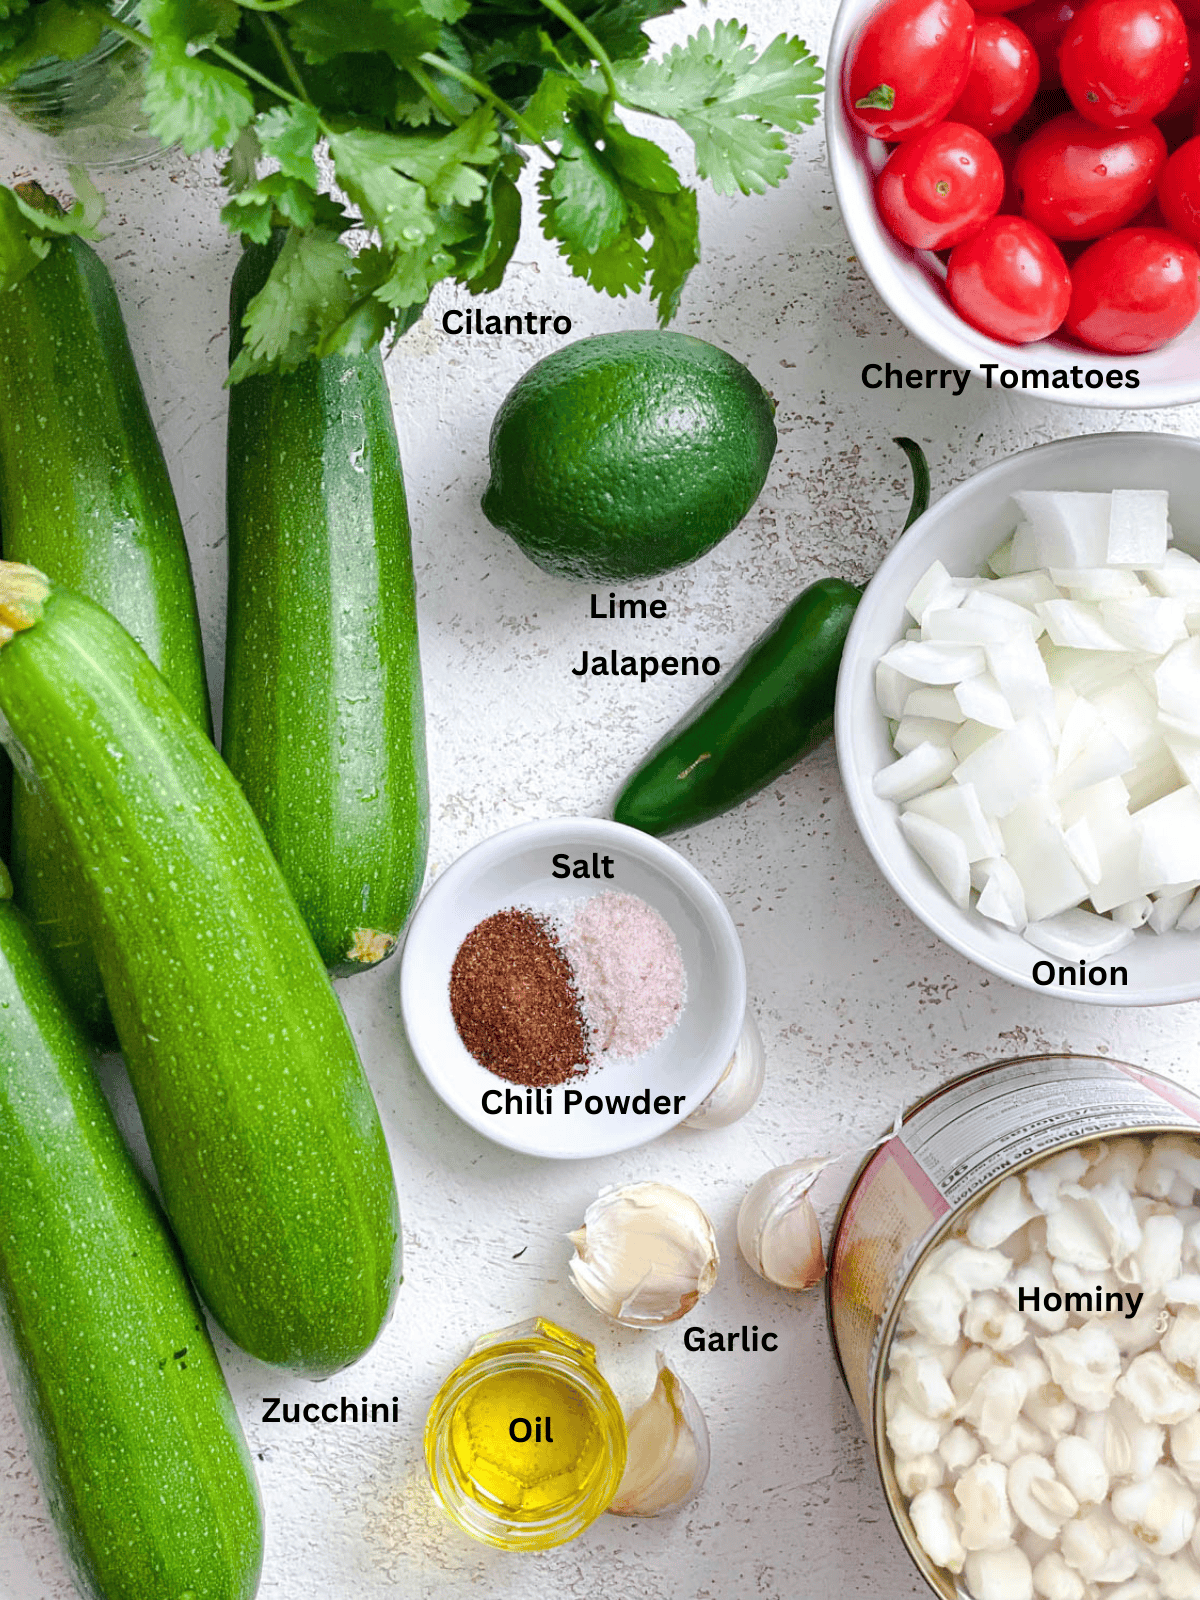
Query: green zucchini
129 1422
323 722
85 497
270 1155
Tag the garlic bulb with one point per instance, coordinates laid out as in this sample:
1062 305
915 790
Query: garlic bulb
644 1255
739 1085
667 1459
777 1227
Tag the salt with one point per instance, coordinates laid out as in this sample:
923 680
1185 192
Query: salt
629 973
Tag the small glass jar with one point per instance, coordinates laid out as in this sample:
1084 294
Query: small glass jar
525 1441
90 108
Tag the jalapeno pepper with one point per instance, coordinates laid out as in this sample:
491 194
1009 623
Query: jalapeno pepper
773 707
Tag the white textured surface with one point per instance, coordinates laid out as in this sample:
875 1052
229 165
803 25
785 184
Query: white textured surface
861 1009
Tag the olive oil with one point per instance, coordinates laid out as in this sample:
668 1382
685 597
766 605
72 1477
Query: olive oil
525 1442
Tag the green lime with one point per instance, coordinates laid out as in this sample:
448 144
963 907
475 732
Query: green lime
627 454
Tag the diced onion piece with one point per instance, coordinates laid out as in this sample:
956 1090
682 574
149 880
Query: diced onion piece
1076 625
1081 848
971 736
936 663
1170 835
1077 933
1177 682
1001 896
892 690
956 806
1034 844
939 704
1189 918
1008 769
1149 624
942 852
1095 583
1138 531
1177 574
912 731
933 587
1133 913
1062 529
982 700
923 768
1168 908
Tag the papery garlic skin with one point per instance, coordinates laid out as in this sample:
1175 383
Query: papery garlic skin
739 1086
777 1228
667 1453
645 1254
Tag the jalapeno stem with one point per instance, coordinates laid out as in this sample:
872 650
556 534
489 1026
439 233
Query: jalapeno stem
920 477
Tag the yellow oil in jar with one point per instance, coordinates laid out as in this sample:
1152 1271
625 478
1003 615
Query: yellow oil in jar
525 1441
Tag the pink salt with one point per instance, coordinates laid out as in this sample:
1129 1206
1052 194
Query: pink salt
628 971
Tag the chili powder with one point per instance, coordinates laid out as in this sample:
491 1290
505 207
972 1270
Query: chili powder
514 1001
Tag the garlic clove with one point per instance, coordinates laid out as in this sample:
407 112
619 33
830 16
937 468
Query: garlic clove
777 1228
668 1454
739 1086
644 1255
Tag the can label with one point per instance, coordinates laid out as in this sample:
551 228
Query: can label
955 1144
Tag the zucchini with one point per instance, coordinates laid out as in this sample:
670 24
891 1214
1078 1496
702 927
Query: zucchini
129 1422
272 1162
85 497
323 717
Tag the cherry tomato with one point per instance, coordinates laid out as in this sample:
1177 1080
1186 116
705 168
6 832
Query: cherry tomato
1133 291
940 187
1122 61
1044 24
1189 10
907 66
1002 80
1077 181
1010 280
1179 191
1187 96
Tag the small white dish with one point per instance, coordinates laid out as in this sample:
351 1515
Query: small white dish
961 530
514 868
912 282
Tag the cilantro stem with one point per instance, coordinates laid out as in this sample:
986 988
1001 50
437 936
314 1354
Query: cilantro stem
134 35
481 89
284 54
433 94
145 42
587 38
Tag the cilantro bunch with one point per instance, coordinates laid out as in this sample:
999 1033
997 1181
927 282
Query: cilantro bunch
427 111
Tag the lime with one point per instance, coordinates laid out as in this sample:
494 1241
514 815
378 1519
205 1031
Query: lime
626 454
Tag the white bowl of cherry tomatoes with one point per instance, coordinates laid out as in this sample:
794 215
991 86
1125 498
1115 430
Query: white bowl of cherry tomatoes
1022 185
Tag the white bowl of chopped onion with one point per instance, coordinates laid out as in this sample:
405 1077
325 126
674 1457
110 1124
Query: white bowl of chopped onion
1084 897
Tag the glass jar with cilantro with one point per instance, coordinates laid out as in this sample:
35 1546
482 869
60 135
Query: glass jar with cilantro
65 74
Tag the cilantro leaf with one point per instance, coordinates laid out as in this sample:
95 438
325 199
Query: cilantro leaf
21 247
276 200
30 219
241 164
617 269
674 222
638 161
390 202
484 270
582 203
307 293
402 29
618 24
291 134
51 28
194 22
730 101
193 102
